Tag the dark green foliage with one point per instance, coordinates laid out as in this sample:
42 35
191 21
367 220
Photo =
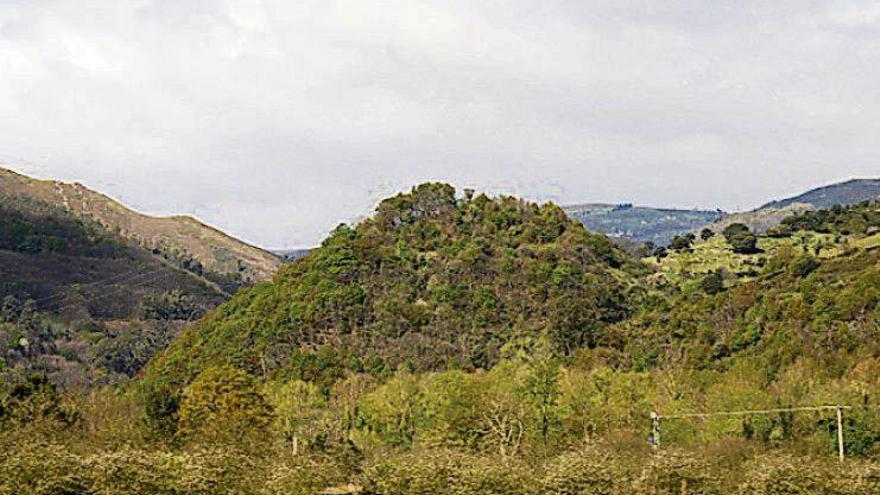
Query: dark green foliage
171 306
734 230
857 219
712 283
29 397
44 230
707 234
682 242
803 265
746 243
741 239
431 281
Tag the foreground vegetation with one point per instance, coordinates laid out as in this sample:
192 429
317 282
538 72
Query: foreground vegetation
490 346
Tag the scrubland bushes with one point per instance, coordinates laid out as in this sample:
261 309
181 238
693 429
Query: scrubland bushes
531 425
49 468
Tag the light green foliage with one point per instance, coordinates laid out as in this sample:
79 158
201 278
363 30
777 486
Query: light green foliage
594 402
300 412
395 410
222 403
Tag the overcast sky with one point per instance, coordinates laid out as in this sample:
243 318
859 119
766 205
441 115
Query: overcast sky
276 120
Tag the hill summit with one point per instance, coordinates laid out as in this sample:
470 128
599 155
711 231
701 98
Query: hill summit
431 281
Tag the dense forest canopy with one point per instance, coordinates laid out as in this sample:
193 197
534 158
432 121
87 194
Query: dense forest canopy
430 280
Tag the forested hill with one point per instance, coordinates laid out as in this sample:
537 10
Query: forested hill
183 240
431 281
84 305
843 193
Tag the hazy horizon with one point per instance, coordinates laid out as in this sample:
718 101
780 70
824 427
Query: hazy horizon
276 121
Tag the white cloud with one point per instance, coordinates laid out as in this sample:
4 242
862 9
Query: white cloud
276 120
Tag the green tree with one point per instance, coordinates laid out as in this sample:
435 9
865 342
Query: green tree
300 413
733 230
682 242
712 283
223 403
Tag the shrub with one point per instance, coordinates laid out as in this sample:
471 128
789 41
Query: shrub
673 473
414 473
803 265
302 475
712 283
786 475
127 471
36 468
584 472
448 472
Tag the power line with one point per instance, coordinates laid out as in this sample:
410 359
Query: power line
749 412
155 276
116 279
70 292
656 418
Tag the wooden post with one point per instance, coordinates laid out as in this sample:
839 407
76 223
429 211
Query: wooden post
840 433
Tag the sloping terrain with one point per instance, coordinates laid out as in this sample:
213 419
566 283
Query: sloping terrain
428 280
842 193
80 303
770 215
811 289
640 223
182 240
494 346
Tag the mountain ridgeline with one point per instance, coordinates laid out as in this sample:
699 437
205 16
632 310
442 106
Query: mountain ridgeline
90 290
184 241
641 224
430 281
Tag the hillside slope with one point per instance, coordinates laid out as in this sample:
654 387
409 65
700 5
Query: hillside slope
186 241
82 304
812 289
843 193
429 280
770 215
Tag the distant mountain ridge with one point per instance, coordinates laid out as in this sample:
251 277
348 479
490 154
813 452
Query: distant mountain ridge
842 193
659 225
196 246
641 223
770 215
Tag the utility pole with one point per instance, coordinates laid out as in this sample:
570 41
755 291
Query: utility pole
655 431
840 432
